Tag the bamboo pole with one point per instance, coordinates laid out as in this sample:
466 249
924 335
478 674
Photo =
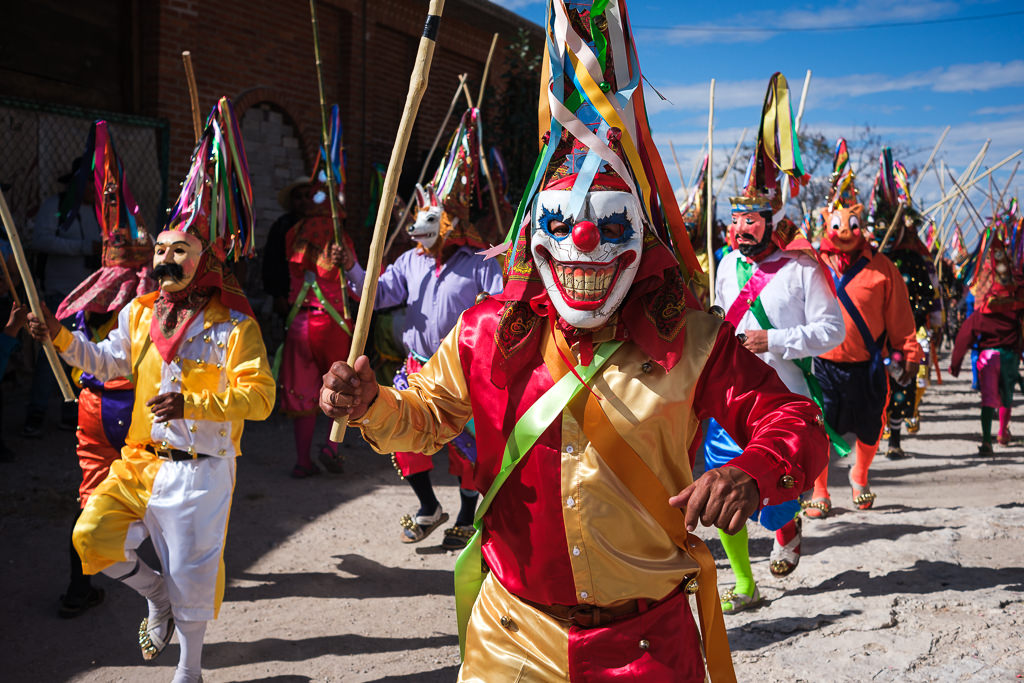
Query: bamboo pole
942 188
711 197
892 225
193 94
969 173
803 101
696 164
931 157
970 204
426 163
417 86
332 182
679 168
487 69
976 180
33 298
1002 195
732 158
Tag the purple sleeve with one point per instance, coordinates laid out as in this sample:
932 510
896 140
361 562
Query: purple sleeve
489 275
392 289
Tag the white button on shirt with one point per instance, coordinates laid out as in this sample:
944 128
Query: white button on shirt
570 501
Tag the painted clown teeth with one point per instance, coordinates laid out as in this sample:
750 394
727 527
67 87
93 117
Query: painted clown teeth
588 283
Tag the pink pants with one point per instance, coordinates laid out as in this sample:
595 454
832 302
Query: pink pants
314 342
988 378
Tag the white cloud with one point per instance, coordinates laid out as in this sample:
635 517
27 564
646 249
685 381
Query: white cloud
998 111
748 27
826 91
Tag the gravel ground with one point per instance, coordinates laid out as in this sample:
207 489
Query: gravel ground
927 586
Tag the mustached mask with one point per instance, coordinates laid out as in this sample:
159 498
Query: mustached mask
587 260
776 161
752 224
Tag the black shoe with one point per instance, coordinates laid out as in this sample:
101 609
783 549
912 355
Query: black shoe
457 537
72 606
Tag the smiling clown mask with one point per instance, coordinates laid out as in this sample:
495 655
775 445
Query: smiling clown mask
587 262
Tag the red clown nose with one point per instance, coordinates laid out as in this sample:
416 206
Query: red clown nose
586 236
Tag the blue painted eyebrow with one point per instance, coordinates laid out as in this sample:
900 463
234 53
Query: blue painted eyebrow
544 220
620 217
617 218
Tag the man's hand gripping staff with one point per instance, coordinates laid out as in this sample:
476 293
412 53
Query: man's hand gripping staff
165 407
723 497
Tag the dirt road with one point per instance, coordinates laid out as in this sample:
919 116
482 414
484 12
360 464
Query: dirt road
927 586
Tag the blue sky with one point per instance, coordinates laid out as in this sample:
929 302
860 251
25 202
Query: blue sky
908 81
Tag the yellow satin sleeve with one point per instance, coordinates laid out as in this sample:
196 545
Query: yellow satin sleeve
430 413
251 387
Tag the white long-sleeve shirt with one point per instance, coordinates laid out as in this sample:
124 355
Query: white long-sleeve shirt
800 305
67 248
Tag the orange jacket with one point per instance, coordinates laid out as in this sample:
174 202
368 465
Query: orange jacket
881 296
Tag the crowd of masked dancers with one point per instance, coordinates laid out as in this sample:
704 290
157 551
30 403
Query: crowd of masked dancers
577 377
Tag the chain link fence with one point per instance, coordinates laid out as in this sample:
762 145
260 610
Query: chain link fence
39 141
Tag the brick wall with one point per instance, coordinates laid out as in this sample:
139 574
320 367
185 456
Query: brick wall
261 52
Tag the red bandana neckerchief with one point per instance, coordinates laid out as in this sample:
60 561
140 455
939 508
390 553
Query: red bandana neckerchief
173 312
838 259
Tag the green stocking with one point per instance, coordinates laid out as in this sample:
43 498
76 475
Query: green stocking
987 415
736 547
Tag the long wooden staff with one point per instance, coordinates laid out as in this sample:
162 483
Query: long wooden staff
970 204
487 69
332 182
732 158
679 169
953 195
193 94
711 197
968 174
803 101
426 163
696 165
417 86
33 298
892 226
1002 195
927 164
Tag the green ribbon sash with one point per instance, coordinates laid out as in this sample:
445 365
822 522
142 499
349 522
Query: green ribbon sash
744 271
469 567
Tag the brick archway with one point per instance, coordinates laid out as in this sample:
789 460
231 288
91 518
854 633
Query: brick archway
309 137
